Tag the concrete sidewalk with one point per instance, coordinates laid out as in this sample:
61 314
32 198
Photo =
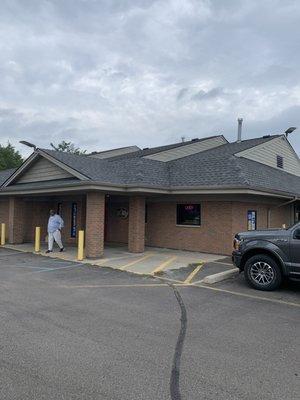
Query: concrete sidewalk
152 261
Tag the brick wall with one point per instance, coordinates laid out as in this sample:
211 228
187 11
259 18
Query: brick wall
220 222
213 236
282 215
116 227
136 224
4 203
37 214
95 220
17 211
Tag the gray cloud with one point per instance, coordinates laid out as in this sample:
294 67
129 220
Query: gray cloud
110 73
209 94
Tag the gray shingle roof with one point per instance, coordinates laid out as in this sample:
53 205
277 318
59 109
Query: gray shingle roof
215 168
127 171
5 174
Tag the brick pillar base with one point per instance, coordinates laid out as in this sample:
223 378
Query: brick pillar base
95 220
16 220
136 226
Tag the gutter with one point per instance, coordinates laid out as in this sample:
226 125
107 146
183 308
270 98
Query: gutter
86 185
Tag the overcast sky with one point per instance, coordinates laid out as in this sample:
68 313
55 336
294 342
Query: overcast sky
111 73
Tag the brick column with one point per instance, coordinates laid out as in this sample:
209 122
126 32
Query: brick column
136 226
16 220
95 219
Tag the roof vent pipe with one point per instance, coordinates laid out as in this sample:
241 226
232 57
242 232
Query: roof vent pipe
240 123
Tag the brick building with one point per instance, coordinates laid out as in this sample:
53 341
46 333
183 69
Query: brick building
192 196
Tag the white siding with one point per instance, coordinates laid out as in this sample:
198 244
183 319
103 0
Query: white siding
43 170
266 153
187 150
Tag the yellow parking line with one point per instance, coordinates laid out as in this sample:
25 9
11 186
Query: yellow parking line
163 265
251 296
100 262
116 286
193 273
135 262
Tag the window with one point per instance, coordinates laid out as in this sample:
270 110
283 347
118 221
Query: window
189 214
280 162
251 220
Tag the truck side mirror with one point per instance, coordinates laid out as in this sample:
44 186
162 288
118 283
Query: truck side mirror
297 234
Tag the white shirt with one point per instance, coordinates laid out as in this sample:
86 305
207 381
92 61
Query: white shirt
55 222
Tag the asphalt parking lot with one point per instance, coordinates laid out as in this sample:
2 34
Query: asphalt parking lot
75 331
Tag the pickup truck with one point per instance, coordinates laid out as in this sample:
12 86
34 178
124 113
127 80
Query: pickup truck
268 256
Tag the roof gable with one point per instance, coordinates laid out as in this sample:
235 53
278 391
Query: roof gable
266 153
41 167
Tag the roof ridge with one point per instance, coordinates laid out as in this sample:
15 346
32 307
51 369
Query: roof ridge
181 144
158 149
266 138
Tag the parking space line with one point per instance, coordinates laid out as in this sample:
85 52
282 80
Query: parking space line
111 259
116 285
102 261
220 262
123 267
163 265
251 296
22 266
194 273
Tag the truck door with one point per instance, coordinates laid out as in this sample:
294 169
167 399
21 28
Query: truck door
295 250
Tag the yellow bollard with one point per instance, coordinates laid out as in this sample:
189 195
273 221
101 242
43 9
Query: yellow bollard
37 243
80 254
2 234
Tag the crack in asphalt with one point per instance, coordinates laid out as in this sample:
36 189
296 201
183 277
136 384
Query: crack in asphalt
175 373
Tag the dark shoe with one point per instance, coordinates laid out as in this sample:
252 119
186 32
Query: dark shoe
48 251
61 250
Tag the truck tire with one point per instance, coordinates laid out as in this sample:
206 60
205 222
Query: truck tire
262 272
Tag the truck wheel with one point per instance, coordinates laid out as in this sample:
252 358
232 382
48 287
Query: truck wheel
262 272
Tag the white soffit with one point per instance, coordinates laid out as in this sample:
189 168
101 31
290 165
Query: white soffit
188 149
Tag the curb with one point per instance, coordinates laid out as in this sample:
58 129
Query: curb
220 276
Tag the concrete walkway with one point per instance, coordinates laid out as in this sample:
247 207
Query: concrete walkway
152 261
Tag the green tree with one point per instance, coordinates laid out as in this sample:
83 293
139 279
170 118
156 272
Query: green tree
9 157
68 147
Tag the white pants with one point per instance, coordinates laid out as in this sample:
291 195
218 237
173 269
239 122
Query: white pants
54 236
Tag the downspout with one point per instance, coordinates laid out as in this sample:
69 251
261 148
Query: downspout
278 206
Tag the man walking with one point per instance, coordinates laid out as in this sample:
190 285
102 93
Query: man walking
55 224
